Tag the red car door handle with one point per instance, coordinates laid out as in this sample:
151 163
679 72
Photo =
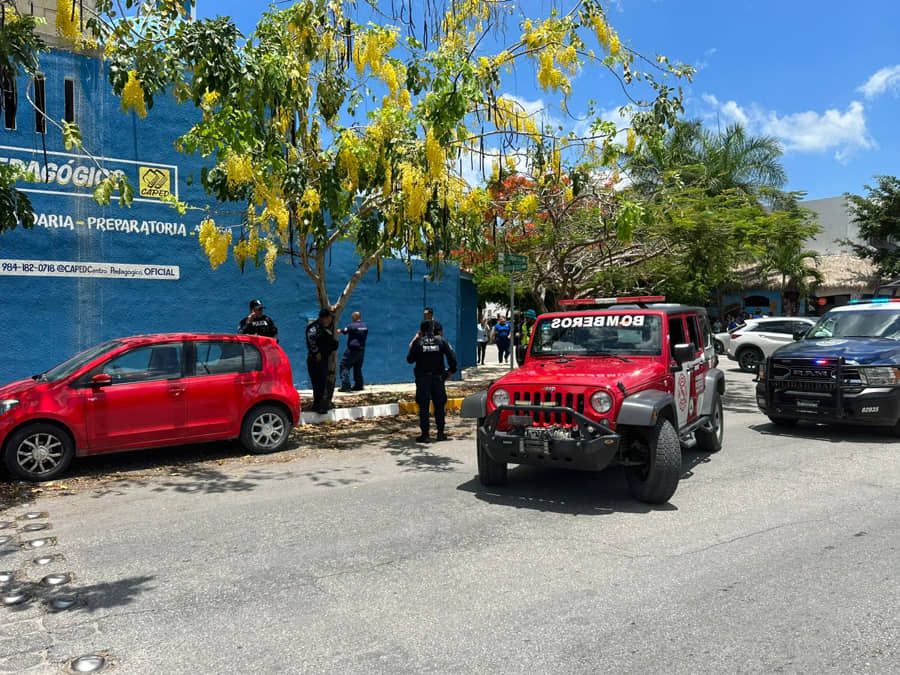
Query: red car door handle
176 391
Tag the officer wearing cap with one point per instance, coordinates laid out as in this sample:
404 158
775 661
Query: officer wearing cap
320 343
257 323
428 352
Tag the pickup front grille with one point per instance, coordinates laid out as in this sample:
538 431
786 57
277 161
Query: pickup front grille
540 397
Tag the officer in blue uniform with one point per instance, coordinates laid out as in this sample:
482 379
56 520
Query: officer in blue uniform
428 352
320 343
356 333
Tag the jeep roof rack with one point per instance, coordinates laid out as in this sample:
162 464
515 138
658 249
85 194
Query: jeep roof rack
639 300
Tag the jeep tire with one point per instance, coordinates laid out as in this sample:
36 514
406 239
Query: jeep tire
749 359
490 471
710 439
656 481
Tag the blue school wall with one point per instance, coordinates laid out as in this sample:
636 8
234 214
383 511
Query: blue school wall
87 273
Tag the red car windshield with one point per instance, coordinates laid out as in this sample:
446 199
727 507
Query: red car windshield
66 368
599 334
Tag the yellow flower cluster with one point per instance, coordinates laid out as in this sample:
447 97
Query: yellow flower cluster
415 191
434 154
210 98
549 76
606 36
133 95
277 211
9 15
310 201
372 48
269 260
528 205
247 249
348 160
68 19
238 169
215 242
631 142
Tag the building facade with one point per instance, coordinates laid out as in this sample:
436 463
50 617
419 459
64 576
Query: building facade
88 273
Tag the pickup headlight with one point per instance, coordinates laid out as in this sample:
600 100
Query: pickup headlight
601 401
500 397
879 376
8 404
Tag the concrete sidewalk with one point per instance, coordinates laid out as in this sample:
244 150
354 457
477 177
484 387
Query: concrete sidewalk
491 370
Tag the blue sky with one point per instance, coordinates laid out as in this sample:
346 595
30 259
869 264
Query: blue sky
823 77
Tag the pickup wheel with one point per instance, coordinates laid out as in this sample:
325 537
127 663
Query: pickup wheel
490 472
783 421
710 439
38 452
656 481
749 359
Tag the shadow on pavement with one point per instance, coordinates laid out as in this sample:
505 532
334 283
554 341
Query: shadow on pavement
690 459
87 599
740 400
831 433
577 493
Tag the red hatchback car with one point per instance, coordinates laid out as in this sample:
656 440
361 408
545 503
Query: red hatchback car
149 391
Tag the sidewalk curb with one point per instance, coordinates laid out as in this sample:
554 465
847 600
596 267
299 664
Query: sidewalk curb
373 411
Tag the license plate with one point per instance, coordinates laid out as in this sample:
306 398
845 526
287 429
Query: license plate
548 404
808 405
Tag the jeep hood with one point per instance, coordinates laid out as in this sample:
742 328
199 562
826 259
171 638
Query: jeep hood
585 372
863 351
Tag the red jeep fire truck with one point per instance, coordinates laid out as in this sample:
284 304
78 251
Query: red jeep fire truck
606 381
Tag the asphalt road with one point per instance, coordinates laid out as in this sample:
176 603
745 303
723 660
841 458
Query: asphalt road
779 554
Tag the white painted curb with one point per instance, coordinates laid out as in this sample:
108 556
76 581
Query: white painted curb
358 412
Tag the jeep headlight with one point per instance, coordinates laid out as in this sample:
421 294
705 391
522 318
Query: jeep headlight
8 404
500 397
879 376
601 401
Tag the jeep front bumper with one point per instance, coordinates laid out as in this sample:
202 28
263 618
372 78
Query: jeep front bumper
583 445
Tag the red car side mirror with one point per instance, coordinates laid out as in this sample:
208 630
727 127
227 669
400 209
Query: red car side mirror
101 380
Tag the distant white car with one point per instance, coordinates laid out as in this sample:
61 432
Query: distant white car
753 341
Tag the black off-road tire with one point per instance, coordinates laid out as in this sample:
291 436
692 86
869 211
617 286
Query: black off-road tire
749 359
710 440
490 472
266 428
656 481
783 421
46 439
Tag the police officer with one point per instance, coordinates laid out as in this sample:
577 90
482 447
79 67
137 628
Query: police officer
257 323
428 351
320 343
356 332
428 315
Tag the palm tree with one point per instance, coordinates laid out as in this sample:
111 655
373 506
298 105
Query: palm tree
796 267
716 161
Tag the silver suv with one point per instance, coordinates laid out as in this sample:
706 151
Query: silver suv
751 343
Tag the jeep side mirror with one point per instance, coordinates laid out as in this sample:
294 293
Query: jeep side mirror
101 380
799 334
684 352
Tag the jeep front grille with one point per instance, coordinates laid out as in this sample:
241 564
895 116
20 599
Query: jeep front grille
559 398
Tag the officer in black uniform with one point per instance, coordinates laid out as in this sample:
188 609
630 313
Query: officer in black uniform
356 332
257 323
320 343
428 351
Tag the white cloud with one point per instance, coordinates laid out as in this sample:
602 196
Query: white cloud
808 131
881 81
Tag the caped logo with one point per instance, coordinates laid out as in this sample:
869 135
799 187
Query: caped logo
154 182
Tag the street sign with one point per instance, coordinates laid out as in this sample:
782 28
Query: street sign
510 262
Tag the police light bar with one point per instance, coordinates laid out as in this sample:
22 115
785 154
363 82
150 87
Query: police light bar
627 300
872 301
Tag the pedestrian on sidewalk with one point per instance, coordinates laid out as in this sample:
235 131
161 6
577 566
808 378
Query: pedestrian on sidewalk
428 315
320 343
427 352
356 332
256 322
502 338
483 331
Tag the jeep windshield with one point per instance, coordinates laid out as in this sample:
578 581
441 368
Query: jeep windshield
876 323
598 335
